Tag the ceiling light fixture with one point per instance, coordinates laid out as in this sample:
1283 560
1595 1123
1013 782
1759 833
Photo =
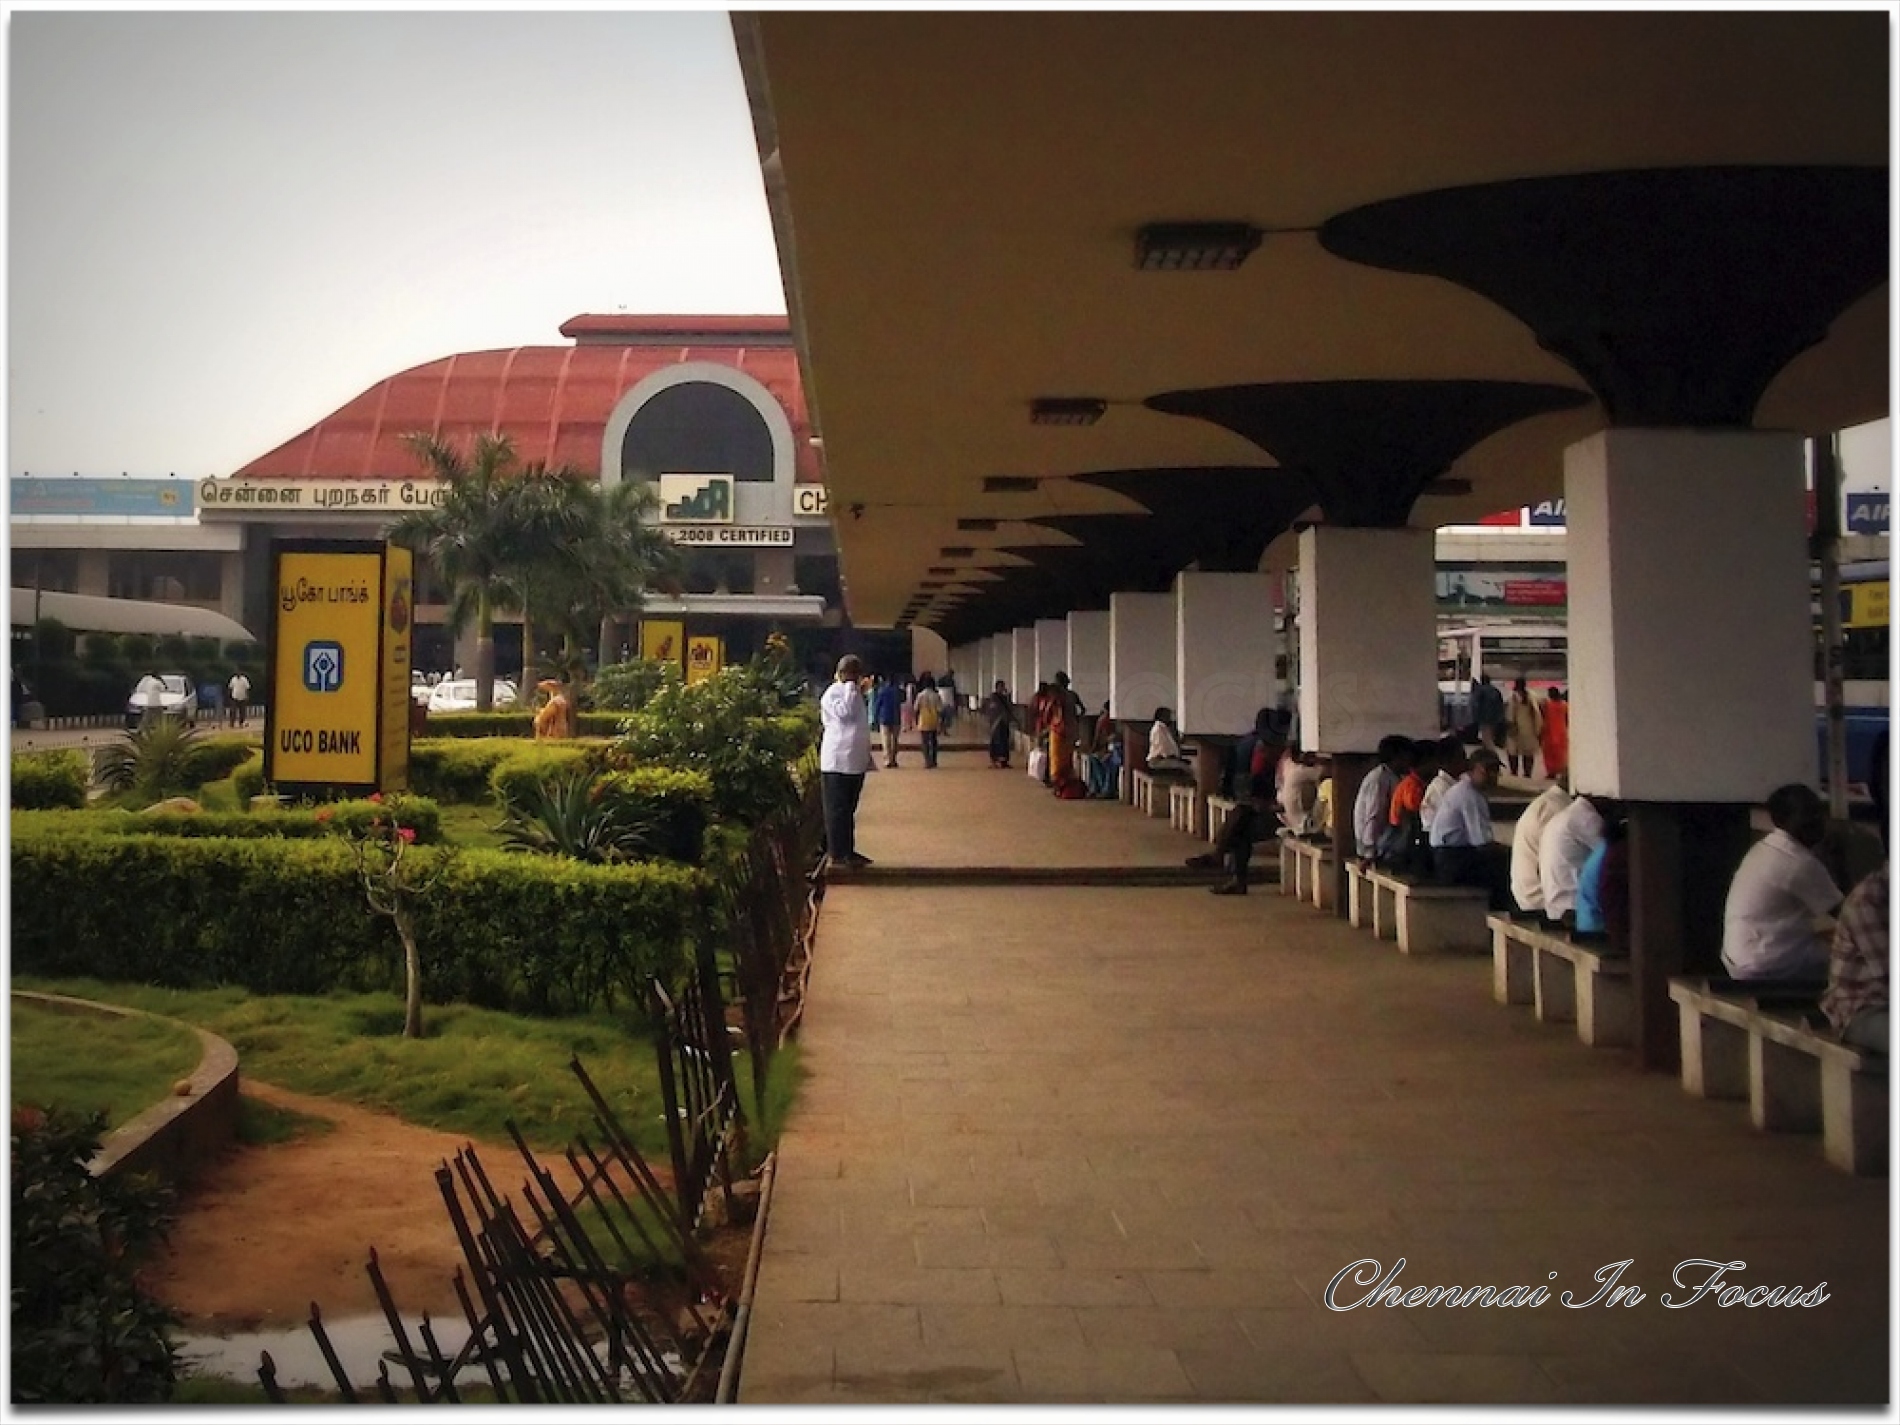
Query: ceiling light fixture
1009 484
1194 247
1066 410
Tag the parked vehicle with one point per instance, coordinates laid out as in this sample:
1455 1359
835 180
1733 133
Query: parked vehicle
173 697
455 695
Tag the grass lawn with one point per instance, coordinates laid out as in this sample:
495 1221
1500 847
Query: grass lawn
473 1070
92 1063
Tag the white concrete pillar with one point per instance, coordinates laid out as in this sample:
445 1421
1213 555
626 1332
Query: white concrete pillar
1052 649
1141 658
1225 645
1088 657
1022 664
1691 646
1368 637
996 664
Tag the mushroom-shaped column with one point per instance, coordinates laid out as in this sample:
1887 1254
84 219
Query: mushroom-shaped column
1215 522
1678 295
1368 617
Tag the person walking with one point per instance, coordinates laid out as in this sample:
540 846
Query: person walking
1554 739
1487 711
927 709
1523 725
240 690
885 699
844 757
997 705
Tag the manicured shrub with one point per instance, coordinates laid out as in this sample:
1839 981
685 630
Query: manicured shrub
628 687
212 759
727 729
248 780
536 934
518 724
50 779
421 815
456 771
83 1331
541 763
678 805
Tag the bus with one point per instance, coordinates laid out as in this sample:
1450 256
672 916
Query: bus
1865 675
1505 650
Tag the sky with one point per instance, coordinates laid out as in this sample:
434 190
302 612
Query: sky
222 226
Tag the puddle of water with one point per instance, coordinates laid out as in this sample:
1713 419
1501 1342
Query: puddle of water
359 1342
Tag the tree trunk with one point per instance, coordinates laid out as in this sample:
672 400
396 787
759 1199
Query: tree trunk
529 672
412 966
484 653
573 667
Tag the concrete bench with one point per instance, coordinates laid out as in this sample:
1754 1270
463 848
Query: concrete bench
1421 916
1152 792
1567 982
1306 871
1741 1041
1187 809
1218 810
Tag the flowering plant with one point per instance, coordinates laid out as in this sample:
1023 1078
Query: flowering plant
395 883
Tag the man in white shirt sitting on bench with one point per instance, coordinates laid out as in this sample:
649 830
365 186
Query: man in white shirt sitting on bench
1774 923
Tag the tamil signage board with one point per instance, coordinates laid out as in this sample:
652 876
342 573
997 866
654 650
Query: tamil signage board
663 641
696 499
84 497
704 657
273 499
335 652
811 502
728 536
1867 512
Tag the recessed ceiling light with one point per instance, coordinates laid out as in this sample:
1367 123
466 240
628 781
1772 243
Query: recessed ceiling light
1009 484
1066 410
1194 247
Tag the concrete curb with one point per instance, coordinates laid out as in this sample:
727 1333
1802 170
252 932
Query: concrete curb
177 1136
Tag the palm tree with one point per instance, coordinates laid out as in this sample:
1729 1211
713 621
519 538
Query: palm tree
486 531
608 557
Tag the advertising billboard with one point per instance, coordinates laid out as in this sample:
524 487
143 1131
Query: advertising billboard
326 710
663 641
704 657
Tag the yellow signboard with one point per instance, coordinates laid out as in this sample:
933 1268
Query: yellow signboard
663 641
704 657
399 607
326 710
1866 605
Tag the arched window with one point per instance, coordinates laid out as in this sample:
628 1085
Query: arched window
698 428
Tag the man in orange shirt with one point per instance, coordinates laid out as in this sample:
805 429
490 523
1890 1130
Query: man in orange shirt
1399 851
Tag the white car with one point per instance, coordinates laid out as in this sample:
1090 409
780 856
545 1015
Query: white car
175 696
453 695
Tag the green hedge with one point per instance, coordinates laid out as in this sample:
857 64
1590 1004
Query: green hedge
215 758
531 934
543 762
339 818
518 724
50 779
248 780
453 771
679 804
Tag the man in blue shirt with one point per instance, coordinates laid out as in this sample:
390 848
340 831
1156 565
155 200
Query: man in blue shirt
1463 853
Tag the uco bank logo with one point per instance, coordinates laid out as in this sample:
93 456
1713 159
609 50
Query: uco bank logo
696 499
323 666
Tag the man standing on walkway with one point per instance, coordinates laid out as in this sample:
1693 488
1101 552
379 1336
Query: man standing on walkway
240 690
844 757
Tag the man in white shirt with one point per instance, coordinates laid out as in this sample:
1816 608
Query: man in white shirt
239 689
1372 808
844 756
1527 885
1569 838
1451 766
1463 851
1780 891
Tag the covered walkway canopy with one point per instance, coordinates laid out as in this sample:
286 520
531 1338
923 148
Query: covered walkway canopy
94 613
959 199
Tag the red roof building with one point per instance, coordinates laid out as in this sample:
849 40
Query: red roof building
554 400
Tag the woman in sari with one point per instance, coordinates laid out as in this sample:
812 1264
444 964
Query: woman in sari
1000 715
1555 737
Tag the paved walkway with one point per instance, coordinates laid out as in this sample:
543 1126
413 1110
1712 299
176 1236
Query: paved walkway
1112 1144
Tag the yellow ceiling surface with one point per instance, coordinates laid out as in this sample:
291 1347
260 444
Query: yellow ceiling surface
956 198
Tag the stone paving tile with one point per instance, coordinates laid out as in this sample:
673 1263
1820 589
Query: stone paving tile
1117 1083
1275 1377
1081 1373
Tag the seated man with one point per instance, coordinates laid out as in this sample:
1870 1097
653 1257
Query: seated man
1251 821
1463 852
1780 890
1372 808
1451 766
1569 838
1856 999
1299 791
1527 887
1589 921
1407 848
1164 747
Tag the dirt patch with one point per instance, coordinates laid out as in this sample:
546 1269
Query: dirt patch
270 1229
